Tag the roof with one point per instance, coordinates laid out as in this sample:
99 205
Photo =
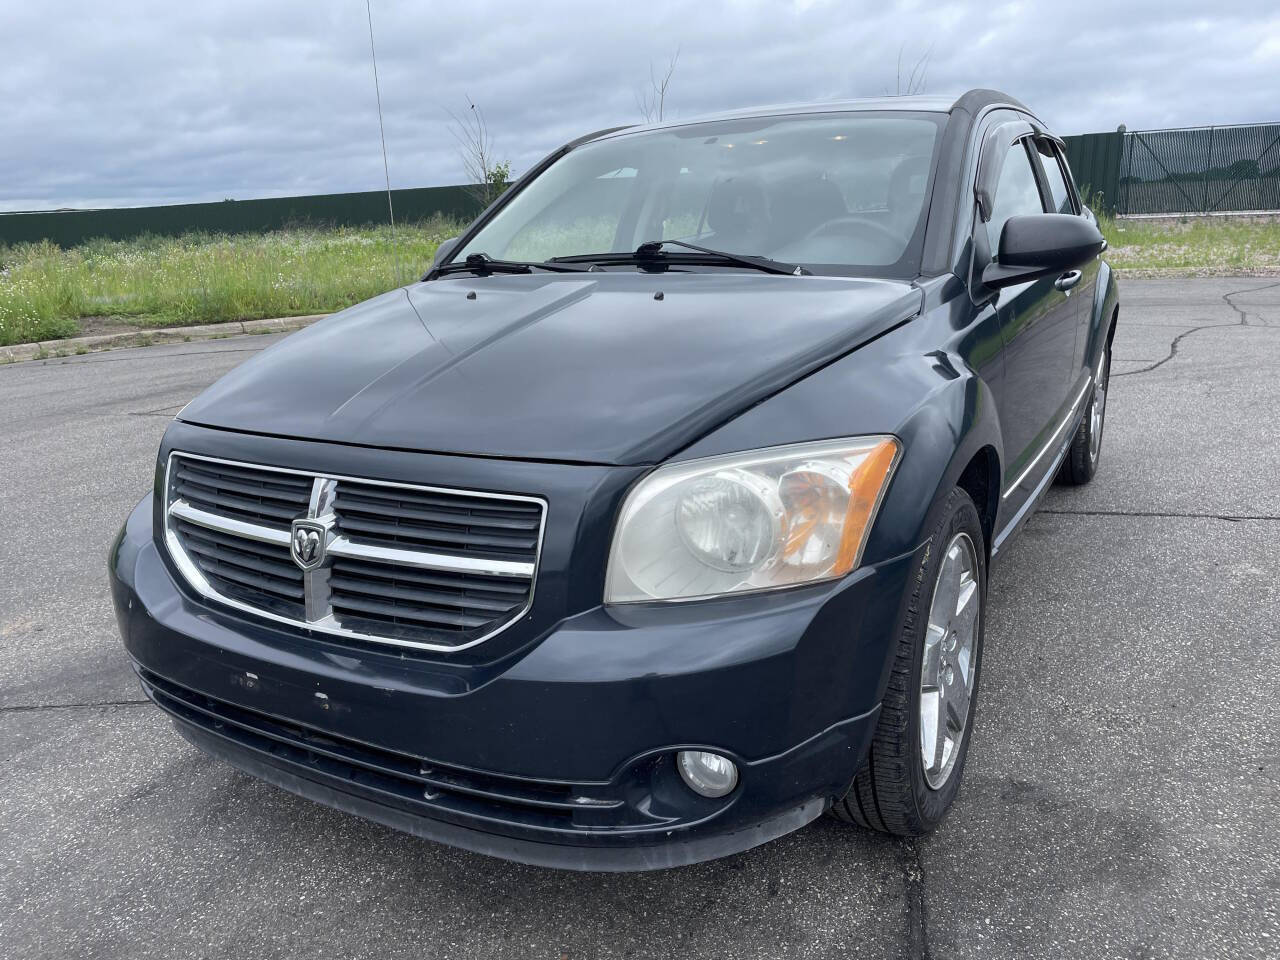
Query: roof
972 100
922 104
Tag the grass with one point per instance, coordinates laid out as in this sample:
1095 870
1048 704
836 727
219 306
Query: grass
1194 247
48 293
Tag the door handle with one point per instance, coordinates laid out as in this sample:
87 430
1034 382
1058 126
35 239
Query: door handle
1068 280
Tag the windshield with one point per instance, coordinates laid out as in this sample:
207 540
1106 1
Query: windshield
837 193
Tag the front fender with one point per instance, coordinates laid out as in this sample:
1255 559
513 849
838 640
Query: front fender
951 426
941 409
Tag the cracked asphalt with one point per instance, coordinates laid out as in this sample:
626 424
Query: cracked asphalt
1122 797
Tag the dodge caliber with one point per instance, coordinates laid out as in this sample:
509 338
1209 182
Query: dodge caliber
655 520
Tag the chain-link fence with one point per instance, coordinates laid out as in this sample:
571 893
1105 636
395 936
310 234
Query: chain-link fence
1191 170
1201 170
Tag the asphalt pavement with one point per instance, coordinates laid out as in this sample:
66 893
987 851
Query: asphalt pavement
1122 797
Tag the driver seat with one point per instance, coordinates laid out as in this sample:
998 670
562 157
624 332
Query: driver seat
803 204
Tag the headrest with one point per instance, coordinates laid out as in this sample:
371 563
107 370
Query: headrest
737 207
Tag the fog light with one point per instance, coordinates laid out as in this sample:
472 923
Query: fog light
708 774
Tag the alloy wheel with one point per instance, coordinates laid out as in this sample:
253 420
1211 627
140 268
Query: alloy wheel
949 667
1098 406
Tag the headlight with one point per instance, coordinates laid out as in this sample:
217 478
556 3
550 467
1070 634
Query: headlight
749 521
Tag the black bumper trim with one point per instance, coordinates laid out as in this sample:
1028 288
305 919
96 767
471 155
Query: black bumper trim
652 856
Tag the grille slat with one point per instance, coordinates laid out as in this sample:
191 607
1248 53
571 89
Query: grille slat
212 500
506 529
245 569
248 578
363 528
292 495
376 588
498 521
268 552
258 496
264 477
267 570
395 612
509 586
394 499
400 588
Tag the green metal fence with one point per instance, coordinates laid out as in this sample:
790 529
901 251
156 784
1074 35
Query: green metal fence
1095 164
1191 170
1201 170
68 228
1188 170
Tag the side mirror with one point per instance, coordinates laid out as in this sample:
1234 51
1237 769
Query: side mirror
442 251
1040 244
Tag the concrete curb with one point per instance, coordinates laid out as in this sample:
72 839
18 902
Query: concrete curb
143 337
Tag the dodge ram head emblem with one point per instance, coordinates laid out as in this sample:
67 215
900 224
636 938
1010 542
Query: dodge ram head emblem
307 543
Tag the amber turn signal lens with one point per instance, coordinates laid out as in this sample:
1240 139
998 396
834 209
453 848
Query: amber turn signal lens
866 487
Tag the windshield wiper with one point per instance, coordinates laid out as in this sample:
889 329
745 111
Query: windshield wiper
483 265
651 252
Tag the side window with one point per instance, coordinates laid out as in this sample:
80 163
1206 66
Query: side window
1073 188
1059 190
1017 193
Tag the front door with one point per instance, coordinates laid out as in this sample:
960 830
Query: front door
1038 326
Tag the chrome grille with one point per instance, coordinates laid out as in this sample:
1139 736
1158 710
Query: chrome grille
262 574
415 566
246 493
507 529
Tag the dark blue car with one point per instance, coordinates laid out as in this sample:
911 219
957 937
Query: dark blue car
655 520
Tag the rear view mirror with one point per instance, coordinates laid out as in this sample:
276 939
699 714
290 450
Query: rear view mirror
1040 244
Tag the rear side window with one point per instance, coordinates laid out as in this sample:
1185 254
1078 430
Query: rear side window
1059 191
1017 193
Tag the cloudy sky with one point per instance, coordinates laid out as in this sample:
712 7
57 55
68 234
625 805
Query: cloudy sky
132 103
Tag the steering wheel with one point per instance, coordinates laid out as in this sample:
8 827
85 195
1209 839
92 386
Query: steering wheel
839 224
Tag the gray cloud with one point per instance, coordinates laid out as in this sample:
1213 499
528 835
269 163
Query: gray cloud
138 103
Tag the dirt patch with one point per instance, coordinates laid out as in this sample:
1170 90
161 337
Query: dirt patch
93 326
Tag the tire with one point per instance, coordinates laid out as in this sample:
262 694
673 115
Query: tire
894 792
1081 461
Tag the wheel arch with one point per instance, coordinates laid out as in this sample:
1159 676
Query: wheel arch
1105 316
980 479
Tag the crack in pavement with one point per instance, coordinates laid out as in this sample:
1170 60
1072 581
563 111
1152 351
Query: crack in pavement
914 891
1173 346
1244 317
34 707
1230 517
81 361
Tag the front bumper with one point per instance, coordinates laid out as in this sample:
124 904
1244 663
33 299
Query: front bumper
558 754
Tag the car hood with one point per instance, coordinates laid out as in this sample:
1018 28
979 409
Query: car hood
611 368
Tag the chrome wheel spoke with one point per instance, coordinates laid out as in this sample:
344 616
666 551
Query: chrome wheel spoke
946 592
932 728
965 622
933 637
957 700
